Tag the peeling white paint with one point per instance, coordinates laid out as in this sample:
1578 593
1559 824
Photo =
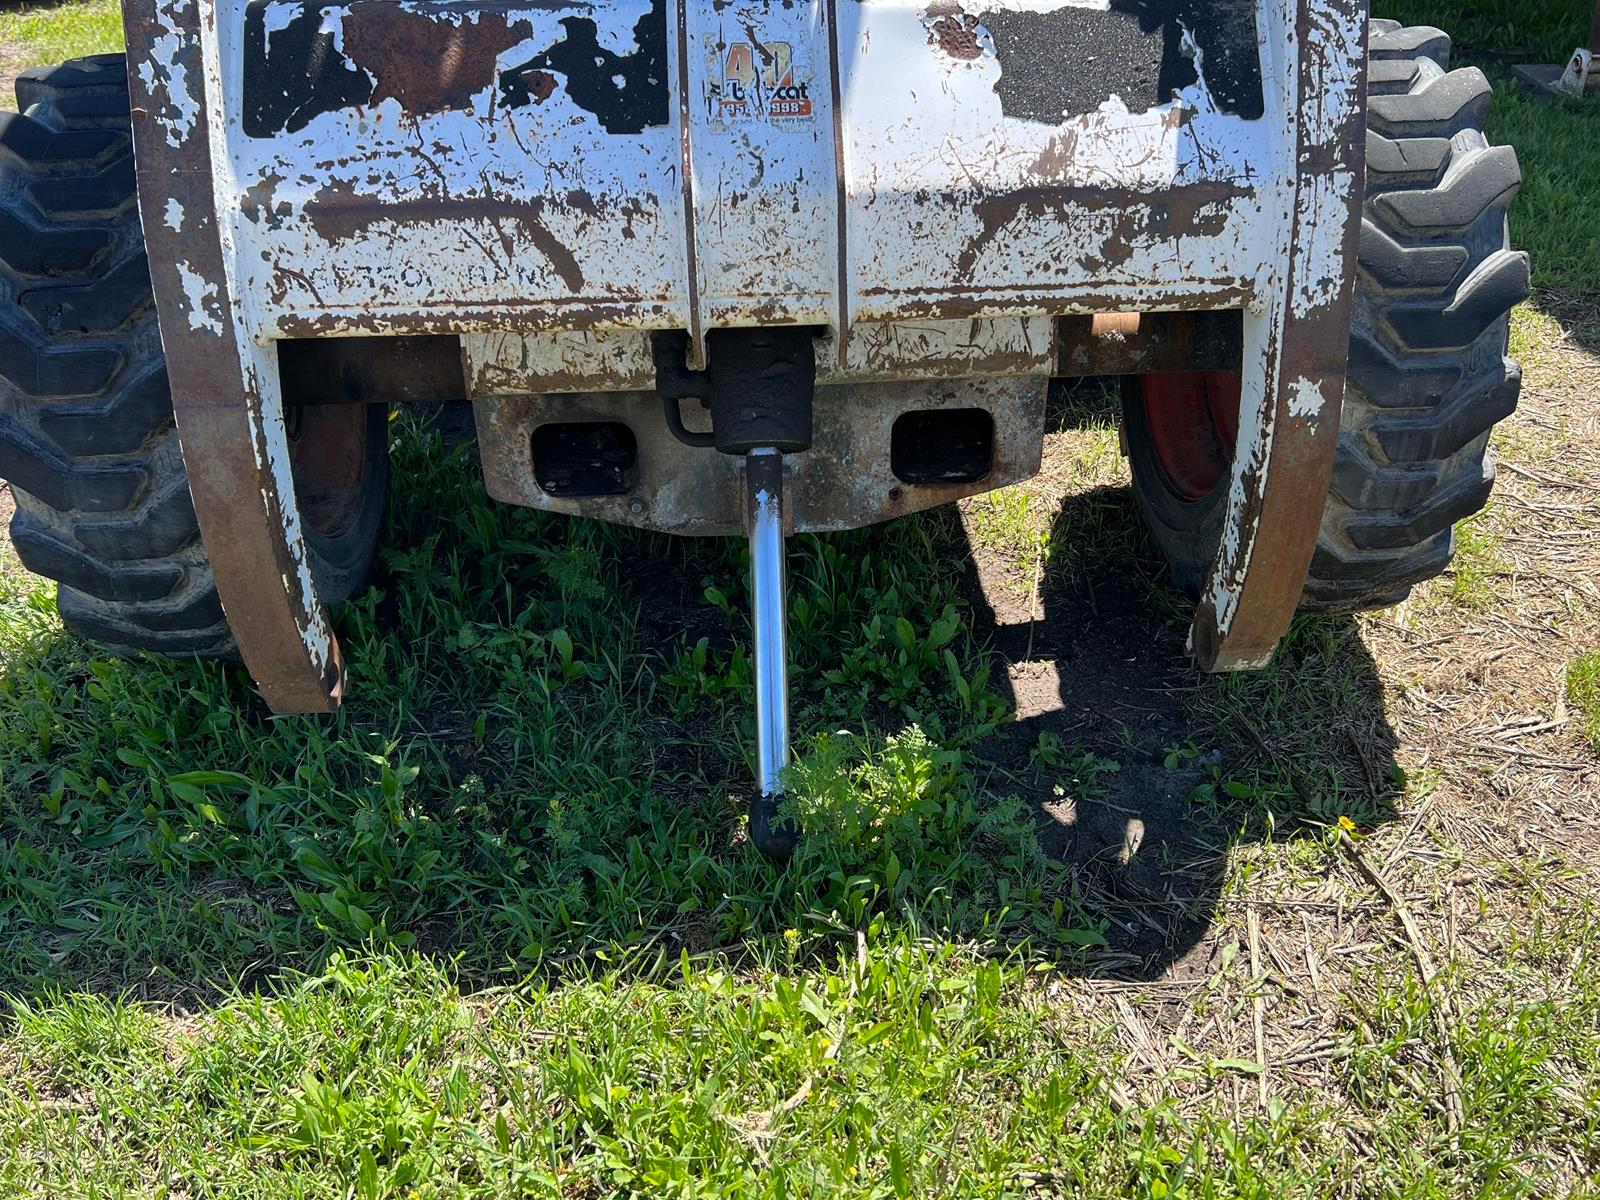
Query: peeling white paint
278 17
922 144
1042 6
173 216
1306 400
621 360
608 360
1253 452
333 28
930 208
1320 209
1317 211
270 446
178 117
202 299
614 22
940 349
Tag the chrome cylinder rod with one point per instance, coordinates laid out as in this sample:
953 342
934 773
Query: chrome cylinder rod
769 609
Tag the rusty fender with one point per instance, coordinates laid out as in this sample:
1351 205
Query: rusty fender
225 391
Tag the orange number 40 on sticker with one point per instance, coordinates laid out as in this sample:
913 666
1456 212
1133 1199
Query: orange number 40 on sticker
760 79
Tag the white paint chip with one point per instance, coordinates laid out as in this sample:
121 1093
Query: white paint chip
202 296
1306 400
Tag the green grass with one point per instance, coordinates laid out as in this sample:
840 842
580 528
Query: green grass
48 33
519 777
1522 30
494 930
900 1069
1583 694
897 1070
1478 562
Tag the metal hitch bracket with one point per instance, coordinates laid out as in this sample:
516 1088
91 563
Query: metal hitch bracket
769 610
760 385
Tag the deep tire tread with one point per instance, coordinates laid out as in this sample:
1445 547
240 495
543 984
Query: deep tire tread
86 430
1443 106
1428 375
1391 41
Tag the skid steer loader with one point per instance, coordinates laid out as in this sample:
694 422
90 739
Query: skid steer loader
726 267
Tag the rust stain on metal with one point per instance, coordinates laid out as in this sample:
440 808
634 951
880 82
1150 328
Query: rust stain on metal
620 360
1193 210
231 432
1285 453
844 481
258 200
955 34
1138 344
1060 153
338 212
541 85
428 65
946 304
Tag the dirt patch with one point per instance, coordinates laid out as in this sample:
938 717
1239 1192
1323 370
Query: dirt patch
1478 689
14 60
8 506
1439 730
1118 742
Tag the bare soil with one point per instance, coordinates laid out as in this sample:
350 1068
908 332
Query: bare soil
14 60
1475 795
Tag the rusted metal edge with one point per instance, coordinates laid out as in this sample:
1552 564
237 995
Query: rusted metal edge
841 189
696 357
224 389
944 305
1139 344
1297 350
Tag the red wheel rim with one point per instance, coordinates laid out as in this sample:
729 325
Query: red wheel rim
328 456
1193 418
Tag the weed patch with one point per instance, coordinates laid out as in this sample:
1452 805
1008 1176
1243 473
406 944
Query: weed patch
1583 693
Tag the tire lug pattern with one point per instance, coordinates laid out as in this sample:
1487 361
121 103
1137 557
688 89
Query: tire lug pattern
1428 375
86 430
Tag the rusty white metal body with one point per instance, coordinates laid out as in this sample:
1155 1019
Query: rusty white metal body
933 187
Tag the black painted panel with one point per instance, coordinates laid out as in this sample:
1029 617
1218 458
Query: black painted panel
1055 65
296 73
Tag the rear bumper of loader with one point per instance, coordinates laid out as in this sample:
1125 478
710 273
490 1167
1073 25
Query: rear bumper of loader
934 188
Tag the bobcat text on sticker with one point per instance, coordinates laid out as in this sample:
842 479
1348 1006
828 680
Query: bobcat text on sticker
757 80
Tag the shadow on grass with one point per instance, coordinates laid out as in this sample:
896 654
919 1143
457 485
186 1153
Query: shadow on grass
542 765
1146 776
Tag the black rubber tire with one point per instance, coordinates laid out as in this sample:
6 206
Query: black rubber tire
87 439
1428 376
